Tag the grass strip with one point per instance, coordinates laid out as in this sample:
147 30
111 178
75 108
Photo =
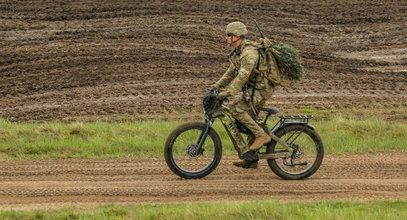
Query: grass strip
146 138
269 209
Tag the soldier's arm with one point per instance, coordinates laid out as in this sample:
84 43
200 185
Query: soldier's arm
227 76
248 63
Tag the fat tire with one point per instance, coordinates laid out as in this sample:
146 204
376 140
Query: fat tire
320 153
172 137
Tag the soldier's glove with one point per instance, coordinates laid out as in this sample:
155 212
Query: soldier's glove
215 86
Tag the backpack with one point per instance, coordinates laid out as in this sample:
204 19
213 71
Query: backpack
279 63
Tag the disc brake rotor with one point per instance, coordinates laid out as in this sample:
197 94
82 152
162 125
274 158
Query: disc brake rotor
298 152
193 150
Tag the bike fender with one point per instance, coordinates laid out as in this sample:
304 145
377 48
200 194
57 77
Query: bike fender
293 123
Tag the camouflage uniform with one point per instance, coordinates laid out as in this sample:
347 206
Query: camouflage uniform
240 77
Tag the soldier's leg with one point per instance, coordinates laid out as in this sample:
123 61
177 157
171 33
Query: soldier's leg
240 112
245 118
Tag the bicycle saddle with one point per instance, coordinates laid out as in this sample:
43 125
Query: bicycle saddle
269 110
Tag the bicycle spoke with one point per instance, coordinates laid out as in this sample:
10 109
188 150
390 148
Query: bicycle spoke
307 152
186 154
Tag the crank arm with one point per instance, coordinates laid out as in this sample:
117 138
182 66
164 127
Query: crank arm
294 164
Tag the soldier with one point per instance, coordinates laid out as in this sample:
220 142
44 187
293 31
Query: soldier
240 79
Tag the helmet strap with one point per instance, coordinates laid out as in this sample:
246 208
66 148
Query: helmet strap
235 40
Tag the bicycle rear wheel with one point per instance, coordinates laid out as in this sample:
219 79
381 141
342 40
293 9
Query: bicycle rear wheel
183 156
307 156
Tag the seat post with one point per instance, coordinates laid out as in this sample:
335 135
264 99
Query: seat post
268 115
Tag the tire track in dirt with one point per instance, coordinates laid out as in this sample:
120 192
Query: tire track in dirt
28 184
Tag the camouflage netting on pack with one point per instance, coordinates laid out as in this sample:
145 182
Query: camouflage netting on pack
288 61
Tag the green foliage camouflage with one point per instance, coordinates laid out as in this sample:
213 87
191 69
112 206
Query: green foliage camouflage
288 61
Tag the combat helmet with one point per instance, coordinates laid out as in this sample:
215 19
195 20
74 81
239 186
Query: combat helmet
236 28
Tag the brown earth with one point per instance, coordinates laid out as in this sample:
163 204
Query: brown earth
56 183
88 60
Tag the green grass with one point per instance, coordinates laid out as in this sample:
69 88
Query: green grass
372 135
269 209
146 138
83 140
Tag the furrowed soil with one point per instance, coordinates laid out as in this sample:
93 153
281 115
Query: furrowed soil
109 60
57 183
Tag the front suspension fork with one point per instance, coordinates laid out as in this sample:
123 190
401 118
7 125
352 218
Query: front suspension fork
204 134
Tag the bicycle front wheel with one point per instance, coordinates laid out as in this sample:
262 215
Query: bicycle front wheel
183 155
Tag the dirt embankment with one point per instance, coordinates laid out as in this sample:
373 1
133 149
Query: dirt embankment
100 59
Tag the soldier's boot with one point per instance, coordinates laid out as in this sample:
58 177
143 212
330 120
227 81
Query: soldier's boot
259 141
246 164
251 158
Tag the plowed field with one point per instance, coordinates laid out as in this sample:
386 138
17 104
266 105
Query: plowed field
68 60
55 183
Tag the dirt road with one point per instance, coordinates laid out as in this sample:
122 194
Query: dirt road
56 183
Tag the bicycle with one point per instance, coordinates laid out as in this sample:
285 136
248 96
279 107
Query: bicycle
193 150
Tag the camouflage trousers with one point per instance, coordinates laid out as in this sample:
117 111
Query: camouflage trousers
242 109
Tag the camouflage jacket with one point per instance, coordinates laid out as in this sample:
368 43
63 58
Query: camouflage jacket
243 60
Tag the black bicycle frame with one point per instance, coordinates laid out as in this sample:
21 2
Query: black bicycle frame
237 139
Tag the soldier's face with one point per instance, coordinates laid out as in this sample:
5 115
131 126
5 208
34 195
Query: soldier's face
231 39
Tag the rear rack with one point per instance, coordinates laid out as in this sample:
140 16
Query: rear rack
286 119
301 117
